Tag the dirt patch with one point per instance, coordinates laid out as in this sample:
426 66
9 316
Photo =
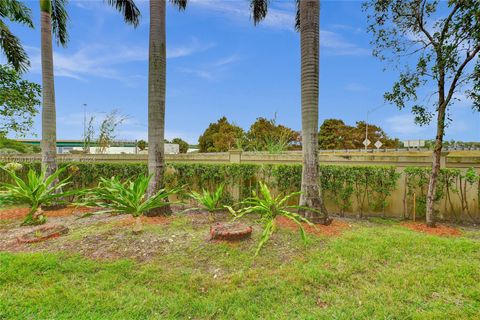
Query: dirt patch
14 213
439 230
130 220
20 213
334 229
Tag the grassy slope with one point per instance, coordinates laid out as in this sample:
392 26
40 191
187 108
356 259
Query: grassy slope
380 272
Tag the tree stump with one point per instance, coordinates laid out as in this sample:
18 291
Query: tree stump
43 233
230 231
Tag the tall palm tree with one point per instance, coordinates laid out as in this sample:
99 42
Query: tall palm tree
53 20
308 23
14 11
157 59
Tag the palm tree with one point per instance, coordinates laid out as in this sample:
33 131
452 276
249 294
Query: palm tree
53 20
308 23
14 11
157 58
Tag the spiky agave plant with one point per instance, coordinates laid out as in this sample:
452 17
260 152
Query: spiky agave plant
270 207
210 201
127 197
37 190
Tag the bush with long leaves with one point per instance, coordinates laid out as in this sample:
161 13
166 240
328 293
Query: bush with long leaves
269 207
37 190
210 201
126 197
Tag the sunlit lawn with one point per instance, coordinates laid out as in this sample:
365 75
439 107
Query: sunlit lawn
372 271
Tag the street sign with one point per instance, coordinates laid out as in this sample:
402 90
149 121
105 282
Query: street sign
366 142
378 144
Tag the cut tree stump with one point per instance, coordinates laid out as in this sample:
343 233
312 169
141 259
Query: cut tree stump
230 231
43 233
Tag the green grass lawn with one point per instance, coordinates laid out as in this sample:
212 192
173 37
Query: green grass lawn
372 271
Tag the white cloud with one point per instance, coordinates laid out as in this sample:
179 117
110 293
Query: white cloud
105 61
194 46
212 70
405 125
282 17
355 87
335 44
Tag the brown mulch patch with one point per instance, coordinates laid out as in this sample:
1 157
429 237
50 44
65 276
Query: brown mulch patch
130 220
334 229
439 230
20 213
15 213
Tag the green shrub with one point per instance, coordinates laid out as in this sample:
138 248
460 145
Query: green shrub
36 190
269 207
128 197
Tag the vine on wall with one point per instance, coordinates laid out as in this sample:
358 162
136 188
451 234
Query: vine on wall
346 188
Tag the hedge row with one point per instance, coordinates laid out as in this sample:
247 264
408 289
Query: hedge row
348 188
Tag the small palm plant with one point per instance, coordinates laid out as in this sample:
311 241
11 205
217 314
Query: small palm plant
128 197
37 190
210 201
270 207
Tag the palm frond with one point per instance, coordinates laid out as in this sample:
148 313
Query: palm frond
180 4
16 11
297 15
59 21
259 9
129 10
13 49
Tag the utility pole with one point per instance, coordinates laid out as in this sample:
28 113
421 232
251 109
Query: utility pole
84 126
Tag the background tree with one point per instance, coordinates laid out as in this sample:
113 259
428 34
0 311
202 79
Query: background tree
108 129
18 102
220 136
89 135
183 145
439 41
142 145
265 132
335 134
157 62
14 11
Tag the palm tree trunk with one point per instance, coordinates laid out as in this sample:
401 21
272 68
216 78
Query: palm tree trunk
49 130
309 41
156 100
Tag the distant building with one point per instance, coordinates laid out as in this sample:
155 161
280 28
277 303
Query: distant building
119 147
414 143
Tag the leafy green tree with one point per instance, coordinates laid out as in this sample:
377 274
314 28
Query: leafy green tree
434 44
182 144
18 102
335 134
220 136
265 132
14 11
142 145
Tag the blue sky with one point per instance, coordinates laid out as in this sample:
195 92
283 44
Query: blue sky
220 64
